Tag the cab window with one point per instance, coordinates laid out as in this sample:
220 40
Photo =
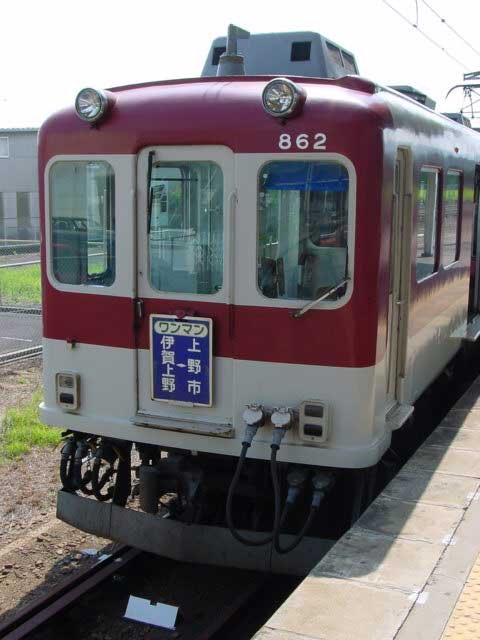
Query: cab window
302 230
185 227
82 223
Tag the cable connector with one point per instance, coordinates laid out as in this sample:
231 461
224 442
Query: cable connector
282 419
250 433
322 482
278 435
296 481
254 417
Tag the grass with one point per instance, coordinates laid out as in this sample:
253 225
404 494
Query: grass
20 285
22 430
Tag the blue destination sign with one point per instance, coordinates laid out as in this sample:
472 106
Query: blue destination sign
181 359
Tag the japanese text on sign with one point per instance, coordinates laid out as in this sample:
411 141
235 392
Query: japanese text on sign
181 353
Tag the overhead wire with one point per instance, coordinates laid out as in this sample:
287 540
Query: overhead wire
464 40
425 35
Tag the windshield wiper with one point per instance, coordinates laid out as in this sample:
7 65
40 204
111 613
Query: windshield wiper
299 313
151 156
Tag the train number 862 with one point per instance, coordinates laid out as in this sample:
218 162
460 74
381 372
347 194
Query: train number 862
303 142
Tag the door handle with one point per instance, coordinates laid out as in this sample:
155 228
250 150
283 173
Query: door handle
232 207
139 309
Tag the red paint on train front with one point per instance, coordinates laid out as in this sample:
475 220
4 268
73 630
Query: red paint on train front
229 112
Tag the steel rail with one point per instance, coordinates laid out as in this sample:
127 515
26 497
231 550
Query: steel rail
12 356
44 610
5 308
40 611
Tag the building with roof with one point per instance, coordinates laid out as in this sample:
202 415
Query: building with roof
19 211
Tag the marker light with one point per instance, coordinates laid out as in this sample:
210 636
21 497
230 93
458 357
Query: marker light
91 104
282 98
67 387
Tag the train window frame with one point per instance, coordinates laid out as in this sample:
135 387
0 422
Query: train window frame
125 181
430 168
184 294
460 174
224 157
329 158
102 279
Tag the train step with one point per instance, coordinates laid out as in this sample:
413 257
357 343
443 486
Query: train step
398 415
473 329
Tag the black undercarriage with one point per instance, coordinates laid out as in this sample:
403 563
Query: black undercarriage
194 488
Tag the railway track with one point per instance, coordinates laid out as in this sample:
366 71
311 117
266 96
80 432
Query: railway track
31 617
92 604
22 354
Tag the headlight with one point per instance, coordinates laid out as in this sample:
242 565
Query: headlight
282 98
91 104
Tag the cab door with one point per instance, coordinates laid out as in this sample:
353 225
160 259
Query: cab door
185 206
398 291
474 299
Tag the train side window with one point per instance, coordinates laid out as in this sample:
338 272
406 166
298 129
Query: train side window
302 229
185 239
451 218
82 222
427 222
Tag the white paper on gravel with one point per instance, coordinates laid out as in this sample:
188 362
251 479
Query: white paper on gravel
156 613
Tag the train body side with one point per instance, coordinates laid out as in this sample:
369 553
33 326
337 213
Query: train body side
336 352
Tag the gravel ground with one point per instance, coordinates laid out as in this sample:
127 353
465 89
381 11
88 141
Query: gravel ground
36 550
39 560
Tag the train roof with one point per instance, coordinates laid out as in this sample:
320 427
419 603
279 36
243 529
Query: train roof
228 111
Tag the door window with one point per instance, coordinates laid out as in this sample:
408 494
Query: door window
185 235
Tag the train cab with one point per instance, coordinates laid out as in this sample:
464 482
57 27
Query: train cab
267 273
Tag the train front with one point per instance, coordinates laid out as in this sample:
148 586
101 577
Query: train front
210 257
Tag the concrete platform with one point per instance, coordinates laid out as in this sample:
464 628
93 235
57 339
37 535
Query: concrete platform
409 569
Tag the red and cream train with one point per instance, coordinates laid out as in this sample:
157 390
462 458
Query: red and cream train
265 274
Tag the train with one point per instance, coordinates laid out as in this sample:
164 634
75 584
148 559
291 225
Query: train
249 278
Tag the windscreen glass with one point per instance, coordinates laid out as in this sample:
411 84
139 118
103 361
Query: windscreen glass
186 227
302 230
82 223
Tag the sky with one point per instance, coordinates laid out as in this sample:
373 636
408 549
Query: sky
50 49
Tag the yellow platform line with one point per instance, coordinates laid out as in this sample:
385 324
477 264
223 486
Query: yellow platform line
464 623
